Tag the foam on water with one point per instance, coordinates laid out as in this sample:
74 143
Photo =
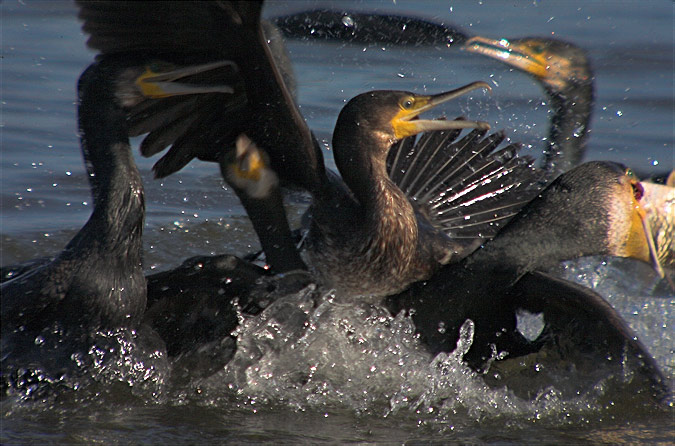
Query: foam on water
329 355
56 366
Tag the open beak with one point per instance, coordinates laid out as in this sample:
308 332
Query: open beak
405 122
514 54
157 84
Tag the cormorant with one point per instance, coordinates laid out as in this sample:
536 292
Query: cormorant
97 281
591 210
96 284
563 69
196 306
233 75
372 238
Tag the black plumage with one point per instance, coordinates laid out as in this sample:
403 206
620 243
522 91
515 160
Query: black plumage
97 281
232 82
367 236
591 210
367 28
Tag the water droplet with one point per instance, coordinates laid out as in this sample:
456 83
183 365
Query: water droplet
348 21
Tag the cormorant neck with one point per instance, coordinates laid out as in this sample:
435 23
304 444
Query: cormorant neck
551 229
117 220
357 157
572 108
513 253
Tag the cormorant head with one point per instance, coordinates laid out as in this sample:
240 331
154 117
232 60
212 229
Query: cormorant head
387 116
557 64
606 199
159 79
594 209
630 234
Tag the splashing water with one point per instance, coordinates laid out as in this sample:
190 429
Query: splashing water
309 351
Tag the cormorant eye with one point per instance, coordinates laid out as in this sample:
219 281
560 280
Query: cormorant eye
538 48
406 104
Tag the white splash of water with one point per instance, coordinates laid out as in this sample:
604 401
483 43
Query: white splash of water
313 353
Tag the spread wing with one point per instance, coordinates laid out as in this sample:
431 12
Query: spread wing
467 187
200 74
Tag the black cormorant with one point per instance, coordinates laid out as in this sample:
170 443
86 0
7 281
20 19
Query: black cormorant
372 238
94 290
97 281
591 210
459 188
176 53
563 69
